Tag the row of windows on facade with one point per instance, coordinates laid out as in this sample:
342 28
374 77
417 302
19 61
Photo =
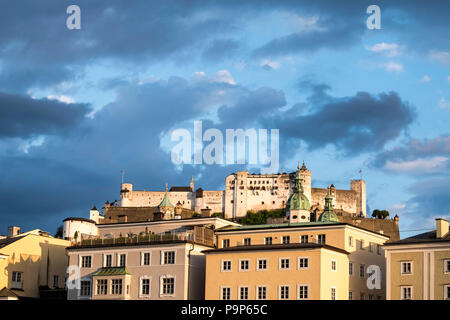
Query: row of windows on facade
116 287
406 292
284 292
167 257
17 280
260 182
285 264
406 267
321 239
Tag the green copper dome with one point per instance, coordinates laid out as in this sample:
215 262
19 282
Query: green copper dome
328 214
298 200
165 201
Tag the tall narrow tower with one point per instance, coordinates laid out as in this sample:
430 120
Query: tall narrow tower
192 183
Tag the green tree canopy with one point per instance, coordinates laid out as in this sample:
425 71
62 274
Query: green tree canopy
380 214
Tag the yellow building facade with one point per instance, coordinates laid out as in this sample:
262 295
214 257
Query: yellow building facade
418 268
338 256
30 260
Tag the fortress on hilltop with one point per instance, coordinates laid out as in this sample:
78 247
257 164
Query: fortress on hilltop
244 192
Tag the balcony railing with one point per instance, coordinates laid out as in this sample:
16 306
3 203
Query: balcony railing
199 235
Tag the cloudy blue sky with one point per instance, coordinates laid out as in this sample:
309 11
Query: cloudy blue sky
78 106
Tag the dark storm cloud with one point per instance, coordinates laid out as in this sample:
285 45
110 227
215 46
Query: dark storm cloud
38 50
336 38
354 124
70 173
23 117
415 149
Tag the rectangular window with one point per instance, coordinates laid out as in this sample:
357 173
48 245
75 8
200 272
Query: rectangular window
378 249
370 247
262 264
102 287
370 296
350 268
226 265
169 257
361 244
268 240
244 265
447 266
168 285
285 263
350 295
362 271
122 260
116 286
108 260
85 288
226 293
284 292
447 292
247 241
333 293
361 296
406 293
350 241
55 281
304 239
17 278
262 293
321 238
303 263
243 293
86 261
146 259
406 267
333 265
285 239
145 286
303 292
225 243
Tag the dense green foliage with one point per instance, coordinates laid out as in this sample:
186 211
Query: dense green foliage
260 217
380 214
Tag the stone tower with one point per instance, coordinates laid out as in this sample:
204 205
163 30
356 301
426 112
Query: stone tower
126 194
298 206
192 183
359 186
305 174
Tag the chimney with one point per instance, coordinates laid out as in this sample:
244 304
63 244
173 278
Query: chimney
13 231
441 227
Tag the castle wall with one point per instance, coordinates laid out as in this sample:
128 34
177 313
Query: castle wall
154 198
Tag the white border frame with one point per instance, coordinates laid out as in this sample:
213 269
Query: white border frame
161 287
298 291
248 293
279 291
221 265
174 257
141 295
284 258
406 273
240 264
257 264
298 263
257 292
